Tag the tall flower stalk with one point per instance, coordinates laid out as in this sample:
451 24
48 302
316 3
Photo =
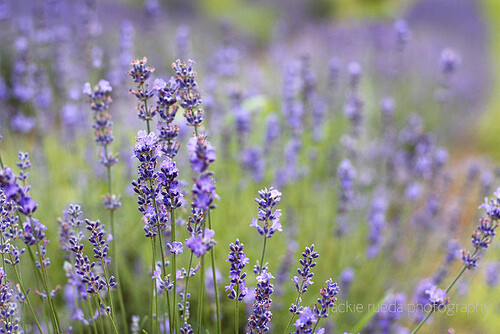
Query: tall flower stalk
237 283
302 283
201 155
100 100
481 239
267 221
147 151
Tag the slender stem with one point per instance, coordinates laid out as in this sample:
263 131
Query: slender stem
237 312
262 257
46 284
200 296
101 322
106 278
2 246
115 329
164 266
174 270
456 278
296 303
447 290
316 324
27 299
153 289
423 321
94 325
184 318
216 289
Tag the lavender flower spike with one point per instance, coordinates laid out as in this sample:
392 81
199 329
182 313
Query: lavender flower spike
269 218
258 322
238 260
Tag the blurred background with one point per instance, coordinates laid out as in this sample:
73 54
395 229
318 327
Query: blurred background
290 89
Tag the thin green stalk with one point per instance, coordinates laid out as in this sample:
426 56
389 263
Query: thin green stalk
114 251
200 296
38 277
184 318
296 303
3 258
101 322
202 292
262 257
77 305
147 112
423 321
447 290
316 325
26 296
164 266
106 278
168 308
237 312
212 255
174 271
115 329
46 284
94 325
153 289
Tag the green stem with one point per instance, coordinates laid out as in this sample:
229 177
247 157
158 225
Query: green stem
101 322
296 303
184 318
262 257
174 270
46 284
447 290
153 289
216 289
94 325
26 296
115 329
200 297
237 312
423 321
106 278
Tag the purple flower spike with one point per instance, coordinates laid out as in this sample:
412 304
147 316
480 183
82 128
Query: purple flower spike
201 153
269 219
238 260
258 322
204 192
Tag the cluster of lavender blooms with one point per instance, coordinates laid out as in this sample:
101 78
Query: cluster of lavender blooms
8 306
269 218
238 260
309 317
158 187
485 231
259 320
87 279
15 200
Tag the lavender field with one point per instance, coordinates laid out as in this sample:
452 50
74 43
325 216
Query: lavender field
322 166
